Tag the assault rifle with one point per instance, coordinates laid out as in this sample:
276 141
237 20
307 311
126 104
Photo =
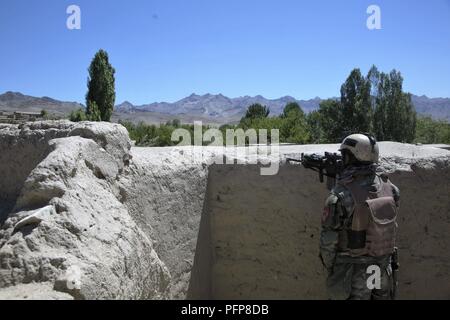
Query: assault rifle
329 165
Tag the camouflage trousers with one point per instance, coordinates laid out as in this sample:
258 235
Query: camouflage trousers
349 280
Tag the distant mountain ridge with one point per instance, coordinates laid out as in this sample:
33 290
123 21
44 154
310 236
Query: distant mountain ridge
214 108
16 101
218 106
438 108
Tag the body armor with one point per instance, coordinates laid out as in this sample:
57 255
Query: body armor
371 228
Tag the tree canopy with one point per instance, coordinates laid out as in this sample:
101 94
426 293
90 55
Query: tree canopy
257 111
375 103
101 95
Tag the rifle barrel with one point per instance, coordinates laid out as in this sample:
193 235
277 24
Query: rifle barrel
294 160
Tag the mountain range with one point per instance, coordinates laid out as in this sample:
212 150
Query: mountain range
208 108
217 108
16 101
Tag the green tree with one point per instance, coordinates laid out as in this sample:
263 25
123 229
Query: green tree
394 97
257 111
292 107
294 128
374 78
356 104
101 87
94 112
381 106
332 124
394 114
176 123
314 122
44 114
432 131
263 123
78 115
408 119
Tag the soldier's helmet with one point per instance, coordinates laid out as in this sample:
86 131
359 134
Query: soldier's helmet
363 147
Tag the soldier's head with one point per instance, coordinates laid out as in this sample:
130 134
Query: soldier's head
359 149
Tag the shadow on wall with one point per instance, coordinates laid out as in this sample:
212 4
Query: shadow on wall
259 235
200 286
17 159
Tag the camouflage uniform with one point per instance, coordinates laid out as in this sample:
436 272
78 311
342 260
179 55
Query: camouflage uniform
347 276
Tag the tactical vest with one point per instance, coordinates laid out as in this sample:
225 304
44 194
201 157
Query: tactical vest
372 229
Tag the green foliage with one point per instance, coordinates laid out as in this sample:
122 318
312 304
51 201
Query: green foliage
44 114
176 123
294 128
257 111
78 115
94 112
375 103
292 124
394 113
295 131
149 135
356 111
330 121
262 123
314 122
292 108
101 87
407 121
432 131
157 135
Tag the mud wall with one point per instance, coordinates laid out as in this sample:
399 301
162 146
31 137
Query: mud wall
69 236
165 194
259 235
155 223
19 155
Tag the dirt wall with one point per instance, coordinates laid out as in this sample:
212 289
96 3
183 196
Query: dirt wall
260 237
158 223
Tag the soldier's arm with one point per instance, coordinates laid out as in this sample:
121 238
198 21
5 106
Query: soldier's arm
331 226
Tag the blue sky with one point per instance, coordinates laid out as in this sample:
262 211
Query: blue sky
164 50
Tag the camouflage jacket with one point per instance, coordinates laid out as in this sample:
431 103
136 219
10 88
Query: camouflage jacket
338 210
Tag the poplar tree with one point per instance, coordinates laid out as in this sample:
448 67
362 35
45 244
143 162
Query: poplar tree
101 95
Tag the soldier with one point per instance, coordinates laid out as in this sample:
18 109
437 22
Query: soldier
359 226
